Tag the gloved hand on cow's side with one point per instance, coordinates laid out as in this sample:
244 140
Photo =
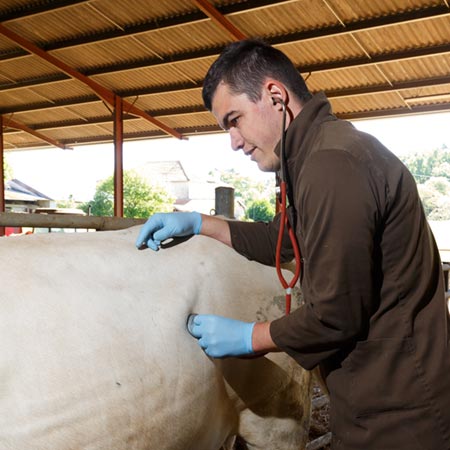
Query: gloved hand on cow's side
220 337
162 226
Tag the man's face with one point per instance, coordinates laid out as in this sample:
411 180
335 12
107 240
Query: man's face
255 128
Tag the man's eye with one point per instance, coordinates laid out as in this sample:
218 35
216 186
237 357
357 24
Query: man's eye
234 121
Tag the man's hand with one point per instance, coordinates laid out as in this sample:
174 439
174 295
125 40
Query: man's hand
162 226
221 337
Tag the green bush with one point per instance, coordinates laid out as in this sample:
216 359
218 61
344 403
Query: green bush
140 199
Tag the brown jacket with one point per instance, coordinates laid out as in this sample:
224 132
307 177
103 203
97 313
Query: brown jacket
375 316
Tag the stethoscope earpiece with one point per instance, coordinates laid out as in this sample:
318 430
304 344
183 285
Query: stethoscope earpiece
276 100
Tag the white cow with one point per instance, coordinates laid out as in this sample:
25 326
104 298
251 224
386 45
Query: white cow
95 354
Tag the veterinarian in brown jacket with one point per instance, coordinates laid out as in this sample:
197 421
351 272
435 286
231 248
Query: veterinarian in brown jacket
375 318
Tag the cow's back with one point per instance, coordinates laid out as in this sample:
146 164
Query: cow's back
95 352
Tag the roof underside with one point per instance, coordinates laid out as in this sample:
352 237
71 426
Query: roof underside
371 57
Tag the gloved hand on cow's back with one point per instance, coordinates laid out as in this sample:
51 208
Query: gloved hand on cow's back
162 226
220 336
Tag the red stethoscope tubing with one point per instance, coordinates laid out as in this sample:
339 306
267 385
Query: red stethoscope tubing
285 224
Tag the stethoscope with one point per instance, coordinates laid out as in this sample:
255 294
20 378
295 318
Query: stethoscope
284 220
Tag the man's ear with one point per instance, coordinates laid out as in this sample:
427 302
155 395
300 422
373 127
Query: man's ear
277 92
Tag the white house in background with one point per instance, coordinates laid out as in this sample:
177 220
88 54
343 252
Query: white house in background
19 197
191 194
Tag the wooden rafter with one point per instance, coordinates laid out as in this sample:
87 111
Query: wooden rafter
219 19
20 126
394 56
355 91
430 12
2 175
102 92
167 75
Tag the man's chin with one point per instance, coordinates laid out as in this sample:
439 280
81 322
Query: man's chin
266 166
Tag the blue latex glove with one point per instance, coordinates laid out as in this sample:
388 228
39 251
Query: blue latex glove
162 226
221 337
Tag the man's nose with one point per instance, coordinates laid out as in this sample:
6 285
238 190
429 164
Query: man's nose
237 141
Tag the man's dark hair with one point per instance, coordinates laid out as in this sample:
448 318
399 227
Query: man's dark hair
244 65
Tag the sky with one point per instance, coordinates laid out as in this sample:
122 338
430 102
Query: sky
62 173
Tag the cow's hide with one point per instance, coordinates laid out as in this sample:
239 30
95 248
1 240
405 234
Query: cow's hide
95 354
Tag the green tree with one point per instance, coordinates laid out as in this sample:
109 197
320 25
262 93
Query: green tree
69 203
260 210
427 164
435 196
431 170
242 185
140 199
7 170
247 190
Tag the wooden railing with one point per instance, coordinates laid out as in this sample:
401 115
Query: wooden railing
66 221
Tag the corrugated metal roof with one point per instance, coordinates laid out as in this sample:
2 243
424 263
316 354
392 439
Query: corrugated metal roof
371 57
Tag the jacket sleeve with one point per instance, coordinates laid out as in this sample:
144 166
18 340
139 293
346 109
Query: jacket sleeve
338 215
258 241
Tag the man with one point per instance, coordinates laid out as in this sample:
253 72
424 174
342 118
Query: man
374 317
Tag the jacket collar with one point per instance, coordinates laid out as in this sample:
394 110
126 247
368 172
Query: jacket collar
298 136
313 113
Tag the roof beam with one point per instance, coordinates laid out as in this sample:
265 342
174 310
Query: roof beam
103 93
391 57
340 93
219 19
383 88
2 174
107 119
20 126
135 135
421 109
29 10
432 50
392 112
133 29
372 23
360 25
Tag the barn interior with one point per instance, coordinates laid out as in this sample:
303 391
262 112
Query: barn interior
77 72
89 71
